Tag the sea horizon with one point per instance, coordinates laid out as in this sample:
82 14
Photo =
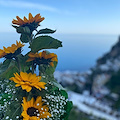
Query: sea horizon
79 51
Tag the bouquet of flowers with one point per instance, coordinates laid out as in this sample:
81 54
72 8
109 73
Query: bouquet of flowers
28 88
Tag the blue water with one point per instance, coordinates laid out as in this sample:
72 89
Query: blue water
79 52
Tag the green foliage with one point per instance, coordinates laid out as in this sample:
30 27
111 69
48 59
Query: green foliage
4 98
64 93
114 85
116 105
25 33
47 69
114 82
50 69
21 29
45 31
4 65
45 42
25 38
76 114
8 68
24 66
32 26
13 111
54 84
68 108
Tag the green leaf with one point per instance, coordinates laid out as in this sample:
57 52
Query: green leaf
13 110
15 26
36 92
24 38
45 42
25 33
45 31
47 69
20 93
50 69
64 93
50 78
69 106
24 30
58 85
10 68
23 64
68 109
4 65
29 97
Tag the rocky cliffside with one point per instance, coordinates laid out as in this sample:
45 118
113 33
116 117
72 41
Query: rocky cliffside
112 54
98 87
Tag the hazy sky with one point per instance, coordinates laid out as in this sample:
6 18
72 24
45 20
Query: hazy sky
67 16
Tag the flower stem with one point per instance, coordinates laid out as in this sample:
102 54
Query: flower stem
32 67
18 63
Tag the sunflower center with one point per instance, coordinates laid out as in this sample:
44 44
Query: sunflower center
32 112
42 61
13 55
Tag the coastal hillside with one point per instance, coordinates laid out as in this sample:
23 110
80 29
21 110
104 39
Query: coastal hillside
96 90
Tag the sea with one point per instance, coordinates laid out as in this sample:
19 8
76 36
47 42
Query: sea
79 51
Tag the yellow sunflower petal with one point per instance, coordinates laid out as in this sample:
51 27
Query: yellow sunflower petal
46 114
31 54
38 100
51 63
31 102
15 22
6 50
27 81
41 84
39 19
2 53
21 22
27 88
11 49
26 116
32 76
30 59
24 104
54 59
30 16
36 17
40 54
24 75
19 44
17 85
44 54
25 19
17 76
15 80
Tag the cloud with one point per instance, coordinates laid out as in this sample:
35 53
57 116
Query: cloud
23 4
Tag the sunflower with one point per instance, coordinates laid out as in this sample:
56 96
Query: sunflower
34 110
43 58
11 52
31 20
27 81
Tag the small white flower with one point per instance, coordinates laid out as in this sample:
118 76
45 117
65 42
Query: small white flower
38 104
17 117
7 117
